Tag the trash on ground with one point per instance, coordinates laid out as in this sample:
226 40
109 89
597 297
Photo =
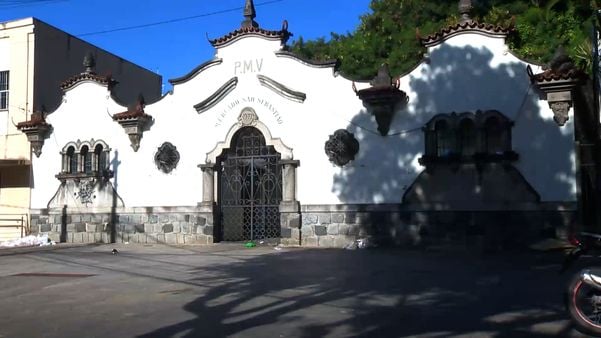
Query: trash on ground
361 243
250 245
277 248
31 240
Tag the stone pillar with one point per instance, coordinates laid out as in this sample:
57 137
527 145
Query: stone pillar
208 207
289 207
208 184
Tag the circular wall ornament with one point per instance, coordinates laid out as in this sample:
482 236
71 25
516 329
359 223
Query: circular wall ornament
166 157
341 147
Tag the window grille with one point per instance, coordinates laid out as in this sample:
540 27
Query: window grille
4 78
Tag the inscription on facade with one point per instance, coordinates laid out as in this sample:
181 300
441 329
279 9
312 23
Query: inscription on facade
252 101
248 66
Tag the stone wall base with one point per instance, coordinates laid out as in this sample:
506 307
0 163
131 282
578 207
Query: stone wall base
135 225
331 226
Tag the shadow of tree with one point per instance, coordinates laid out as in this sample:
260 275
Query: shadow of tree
375 293
465 79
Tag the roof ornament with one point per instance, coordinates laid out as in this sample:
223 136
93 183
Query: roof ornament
249 15
90 63
465 8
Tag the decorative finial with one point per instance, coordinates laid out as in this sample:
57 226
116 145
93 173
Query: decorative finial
89 63
249 15
465 8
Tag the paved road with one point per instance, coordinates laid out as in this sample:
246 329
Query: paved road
227 290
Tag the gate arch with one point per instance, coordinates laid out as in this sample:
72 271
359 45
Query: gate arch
249 188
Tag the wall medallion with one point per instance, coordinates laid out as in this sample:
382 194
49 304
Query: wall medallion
166 157
341 147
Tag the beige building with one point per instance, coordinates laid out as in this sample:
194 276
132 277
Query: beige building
35 58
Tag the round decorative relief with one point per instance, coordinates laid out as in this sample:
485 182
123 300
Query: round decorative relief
341 147
166 157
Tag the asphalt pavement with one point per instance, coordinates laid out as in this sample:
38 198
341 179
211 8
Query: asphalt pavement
227 290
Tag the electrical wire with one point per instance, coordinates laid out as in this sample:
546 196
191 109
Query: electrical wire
164 22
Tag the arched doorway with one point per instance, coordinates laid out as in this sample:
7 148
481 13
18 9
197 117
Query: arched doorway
250 188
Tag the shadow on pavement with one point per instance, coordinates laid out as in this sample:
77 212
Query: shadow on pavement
377 293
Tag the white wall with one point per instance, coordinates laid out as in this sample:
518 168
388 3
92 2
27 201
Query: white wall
466 73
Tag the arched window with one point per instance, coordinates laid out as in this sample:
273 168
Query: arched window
467 137
86 158
444 138
71 160
494 136
100 156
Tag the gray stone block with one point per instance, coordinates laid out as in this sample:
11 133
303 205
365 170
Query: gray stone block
97 237
208 230
350 218
325 218
354 230
74 219
187 218
177 227
164 218
86 218
80 227
343 241
343 229
326 241
148 228
53 236
200 220
333 229
167 228
96 218
307 231
320 230
171 238
123 219
181 238
286 233
79 237
309 219
337 218
196 239
309 241
153 219
45 228
294 221
35 229
151 238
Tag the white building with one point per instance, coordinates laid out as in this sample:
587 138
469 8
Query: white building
259 143
34 59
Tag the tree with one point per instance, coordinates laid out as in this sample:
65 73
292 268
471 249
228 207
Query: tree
387 34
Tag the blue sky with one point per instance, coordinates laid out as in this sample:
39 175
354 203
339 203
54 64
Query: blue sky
173 49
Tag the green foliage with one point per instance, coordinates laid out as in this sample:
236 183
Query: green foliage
387 34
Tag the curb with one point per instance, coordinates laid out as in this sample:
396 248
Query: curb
31 249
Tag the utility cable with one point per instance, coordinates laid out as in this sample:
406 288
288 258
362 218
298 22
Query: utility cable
174 20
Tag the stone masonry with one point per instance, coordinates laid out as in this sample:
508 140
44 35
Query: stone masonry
169 225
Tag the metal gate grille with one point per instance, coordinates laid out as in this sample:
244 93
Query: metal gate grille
250 191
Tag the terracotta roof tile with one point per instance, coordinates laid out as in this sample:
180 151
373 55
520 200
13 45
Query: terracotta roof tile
72 81
37 120
282 35
135 113
463 27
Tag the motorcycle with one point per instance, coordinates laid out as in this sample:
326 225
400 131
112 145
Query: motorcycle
583 298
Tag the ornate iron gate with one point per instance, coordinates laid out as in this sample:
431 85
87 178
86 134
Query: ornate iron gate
250 188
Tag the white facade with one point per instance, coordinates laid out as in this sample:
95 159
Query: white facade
465 73
38 57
